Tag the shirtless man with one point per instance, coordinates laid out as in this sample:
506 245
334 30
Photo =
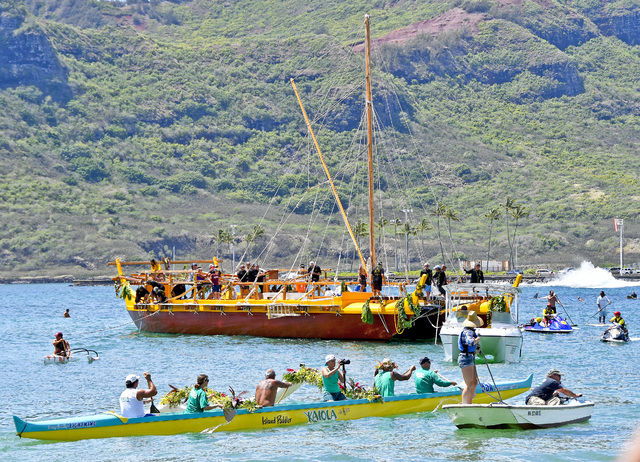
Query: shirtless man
552 299
267 389
61 346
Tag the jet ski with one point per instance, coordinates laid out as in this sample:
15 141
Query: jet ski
557 326
615 334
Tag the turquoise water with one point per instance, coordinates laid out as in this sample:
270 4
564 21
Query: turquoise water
606 374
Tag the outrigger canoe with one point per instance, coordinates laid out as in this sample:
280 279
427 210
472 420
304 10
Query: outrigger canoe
107 425
75 355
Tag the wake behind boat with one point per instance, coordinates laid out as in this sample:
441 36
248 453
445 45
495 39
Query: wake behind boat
503 415
109 424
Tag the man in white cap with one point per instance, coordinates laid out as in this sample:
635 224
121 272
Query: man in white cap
547 392
331 376
131 398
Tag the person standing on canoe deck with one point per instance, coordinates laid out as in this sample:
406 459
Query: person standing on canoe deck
214 277
547 392
61 346
131 404
425 378
477 275
198 401
467 344
385 377
242 274
314 272
267 389
618 321
332 376
602 302
377 279
428 282
362 278
66 313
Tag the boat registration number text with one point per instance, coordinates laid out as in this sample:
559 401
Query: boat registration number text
534 413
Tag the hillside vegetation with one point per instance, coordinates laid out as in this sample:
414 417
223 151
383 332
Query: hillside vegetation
132 129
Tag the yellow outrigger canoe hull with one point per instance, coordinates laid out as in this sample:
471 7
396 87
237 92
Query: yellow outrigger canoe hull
109 424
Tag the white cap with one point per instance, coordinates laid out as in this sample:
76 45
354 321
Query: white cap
131 378
329 358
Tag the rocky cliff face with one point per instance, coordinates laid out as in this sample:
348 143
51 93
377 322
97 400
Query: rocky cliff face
28 58
625 26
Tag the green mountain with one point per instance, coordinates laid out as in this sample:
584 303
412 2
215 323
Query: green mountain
135 128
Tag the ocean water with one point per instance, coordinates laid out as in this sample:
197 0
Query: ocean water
606 374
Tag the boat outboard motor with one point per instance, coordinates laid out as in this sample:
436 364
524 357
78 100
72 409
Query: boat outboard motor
615 334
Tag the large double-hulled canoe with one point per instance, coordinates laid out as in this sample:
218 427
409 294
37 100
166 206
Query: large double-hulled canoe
107 425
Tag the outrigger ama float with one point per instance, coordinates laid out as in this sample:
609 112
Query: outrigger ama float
287 307
109 424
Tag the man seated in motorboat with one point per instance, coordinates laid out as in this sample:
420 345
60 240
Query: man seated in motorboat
267 388
61 346
385 377
618 321
131 404
426 378
547 392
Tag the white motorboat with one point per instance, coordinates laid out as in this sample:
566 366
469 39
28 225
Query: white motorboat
497 305
502 415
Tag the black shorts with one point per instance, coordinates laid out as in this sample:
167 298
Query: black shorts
376 284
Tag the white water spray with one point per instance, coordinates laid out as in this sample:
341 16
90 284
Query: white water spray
588 276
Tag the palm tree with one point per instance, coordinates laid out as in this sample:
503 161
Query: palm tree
517 213
423 226
492 216
451 215
382 222
256 232
360 230
407 229
396 222
508 206
222 236
439 212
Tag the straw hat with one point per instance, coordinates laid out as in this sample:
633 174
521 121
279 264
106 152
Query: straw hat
473 321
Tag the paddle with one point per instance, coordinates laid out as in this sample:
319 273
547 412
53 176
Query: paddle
567 313
490 374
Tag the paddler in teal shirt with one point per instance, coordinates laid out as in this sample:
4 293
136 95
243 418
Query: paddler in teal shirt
331 373
425 378
385 377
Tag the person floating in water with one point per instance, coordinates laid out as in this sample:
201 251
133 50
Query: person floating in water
633 294
580 299
536 295
66 314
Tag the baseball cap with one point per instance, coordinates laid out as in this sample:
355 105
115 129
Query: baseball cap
59 334
329 358
554 372
131 378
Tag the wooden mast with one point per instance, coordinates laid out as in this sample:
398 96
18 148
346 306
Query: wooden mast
369 104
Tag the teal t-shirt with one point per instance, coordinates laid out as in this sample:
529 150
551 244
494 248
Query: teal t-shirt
197 400
331 383
424 380
384 383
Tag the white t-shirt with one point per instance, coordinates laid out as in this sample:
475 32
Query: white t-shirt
130 406
600 302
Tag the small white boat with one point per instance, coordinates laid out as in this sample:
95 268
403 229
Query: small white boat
502 415
76 354
501 338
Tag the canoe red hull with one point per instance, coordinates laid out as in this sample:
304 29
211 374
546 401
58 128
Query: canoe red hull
315 325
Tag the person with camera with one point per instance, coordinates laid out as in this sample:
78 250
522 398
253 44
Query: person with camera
385 376
332 376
